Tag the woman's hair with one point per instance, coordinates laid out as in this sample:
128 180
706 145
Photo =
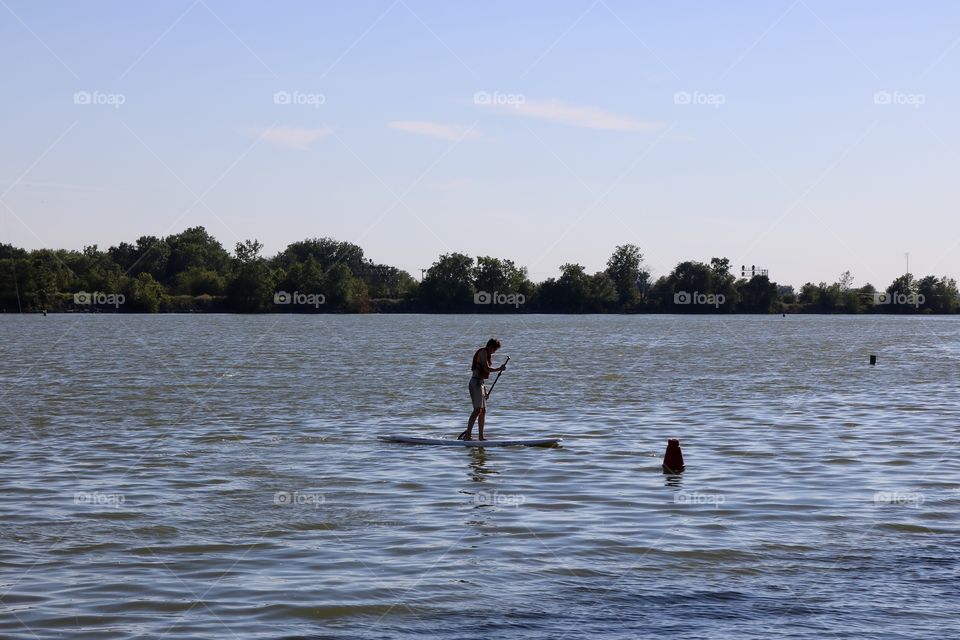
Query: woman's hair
493 343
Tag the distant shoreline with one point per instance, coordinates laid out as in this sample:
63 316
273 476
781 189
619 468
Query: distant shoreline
191 272
655 312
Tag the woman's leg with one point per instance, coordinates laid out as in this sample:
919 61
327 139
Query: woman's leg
473 417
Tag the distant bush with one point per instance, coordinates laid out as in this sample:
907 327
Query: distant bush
191 272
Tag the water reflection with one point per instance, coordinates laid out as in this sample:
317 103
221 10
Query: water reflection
673 480
478 465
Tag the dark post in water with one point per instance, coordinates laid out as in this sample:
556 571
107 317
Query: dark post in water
673 458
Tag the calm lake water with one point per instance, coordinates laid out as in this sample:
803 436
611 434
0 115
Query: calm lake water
143 459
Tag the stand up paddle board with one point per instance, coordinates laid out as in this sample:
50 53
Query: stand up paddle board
449 442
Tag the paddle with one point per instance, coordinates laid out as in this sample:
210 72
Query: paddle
497 378
464 432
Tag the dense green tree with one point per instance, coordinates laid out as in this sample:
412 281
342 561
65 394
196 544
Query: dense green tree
448 284
574 291
143 293
496 278
902 296
809 294
845 281
723 280
693 276
9 284
549 297
327 252
786 293
495 274
602 294
97 272
625 269
757 295
252 288
868 298
305 277
190 270
152 255
849 299
17 282
696 287
343 291
191 248
828 297
46 274
197 281
384 281
574 287
124 254
680 289
938 295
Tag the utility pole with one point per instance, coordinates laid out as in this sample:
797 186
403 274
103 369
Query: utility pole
907 254
423 273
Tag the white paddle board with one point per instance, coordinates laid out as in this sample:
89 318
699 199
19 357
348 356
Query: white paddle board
450 442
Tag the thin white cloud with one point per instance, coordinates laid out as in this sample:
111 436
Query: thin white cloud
291 137
453 132
576 116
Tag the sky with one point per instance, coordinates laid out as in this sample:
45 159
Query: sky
804 137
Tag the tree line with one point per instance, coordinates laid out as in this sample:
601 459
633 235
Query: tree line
191 271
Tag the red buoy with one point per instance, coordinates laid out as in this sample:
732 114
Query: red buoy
673 458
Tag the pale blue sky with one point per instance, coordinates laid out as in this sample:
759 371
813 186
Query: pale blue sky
798 170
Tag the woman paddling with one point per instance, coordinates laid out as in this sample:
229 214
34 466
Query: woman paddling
480 370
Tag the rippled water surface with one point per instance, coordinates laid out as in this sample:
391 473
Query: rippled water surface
144 457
